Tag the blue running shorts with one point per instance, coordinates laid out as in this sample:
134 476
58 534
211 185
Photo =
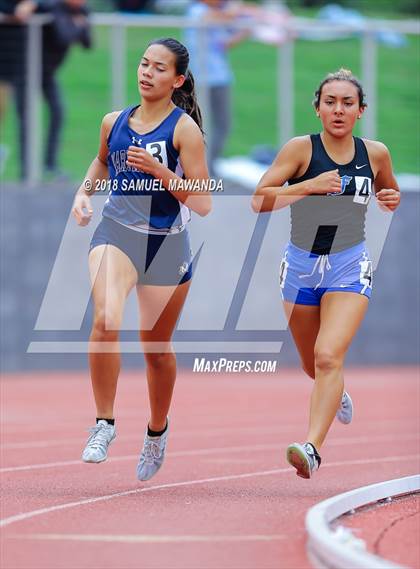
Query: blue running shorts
163 259
305 277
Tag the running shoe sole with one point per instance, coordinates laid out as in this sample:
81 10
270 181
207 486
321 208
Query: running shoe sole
296 456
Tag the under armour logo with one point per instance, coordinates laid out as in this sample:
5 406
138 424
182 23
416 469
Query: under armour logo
183 268
135 140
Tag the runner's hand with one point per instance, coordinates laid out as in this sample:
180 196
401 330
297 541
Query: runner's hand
325 183
82 209
388 199
142 160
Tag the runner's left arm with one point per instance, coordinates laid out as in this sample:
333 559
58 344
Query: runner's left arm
386 186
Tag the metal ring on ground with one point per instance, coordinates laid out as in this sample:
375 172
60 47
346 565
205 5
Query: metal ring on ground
325 550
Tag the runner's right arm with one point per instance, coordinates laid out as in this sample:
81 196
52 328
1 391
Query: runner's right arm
97 171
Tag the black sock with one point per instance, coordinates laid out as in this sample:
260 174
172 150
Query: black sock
109 421
151 433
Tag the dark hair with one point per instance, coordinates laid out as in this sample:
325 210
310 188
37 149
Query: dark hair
341 75
185 96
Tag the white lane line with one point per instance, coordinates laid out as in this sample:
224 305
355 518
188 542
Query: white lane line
134 538
229 460
135 456
58 507
41 511
214 450
194 433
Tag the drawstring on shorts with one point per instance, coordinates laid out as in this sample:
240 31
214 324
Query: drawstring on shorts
322 264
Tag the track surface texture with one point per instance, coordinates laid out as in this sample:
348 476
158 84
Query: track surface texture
390 530
224 499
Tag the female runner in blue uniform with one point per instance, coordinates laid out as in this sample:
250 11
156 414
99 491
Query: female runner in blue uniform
326 273
142 241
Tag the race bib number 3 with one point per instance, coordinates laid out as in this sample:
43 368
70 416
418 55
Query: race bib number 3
363 190
158 151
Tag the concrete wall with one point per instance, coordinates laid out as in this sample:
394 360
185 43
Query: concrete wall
234 304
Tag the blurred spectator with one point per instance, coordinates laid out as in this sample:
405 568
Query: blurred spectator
4 150
13 54
175 7
217 75
69 26
133 5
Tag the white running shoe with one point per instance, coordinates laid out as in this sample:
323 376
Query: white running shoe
304 458
101 436
152 455
345 412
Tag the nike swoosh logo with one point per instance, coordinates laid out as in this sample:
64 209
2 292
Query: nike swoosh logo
362 166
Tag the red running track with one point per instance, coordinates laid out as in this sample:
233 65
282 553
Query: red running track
225 498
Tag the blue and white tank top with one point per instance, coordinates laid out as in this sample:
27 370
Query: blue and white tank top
135 198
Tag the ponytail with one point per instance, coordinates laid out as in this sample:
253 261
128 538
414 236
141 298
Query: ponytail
185 96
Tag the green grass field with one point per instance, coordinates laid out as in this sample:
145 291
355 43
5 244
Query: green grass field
85 79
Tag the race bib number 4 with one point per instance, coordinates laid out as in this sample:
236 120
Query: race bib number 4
363 190
366 273
283 272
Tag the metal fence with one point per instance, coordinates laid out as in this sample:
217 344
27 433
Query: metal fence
118 25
